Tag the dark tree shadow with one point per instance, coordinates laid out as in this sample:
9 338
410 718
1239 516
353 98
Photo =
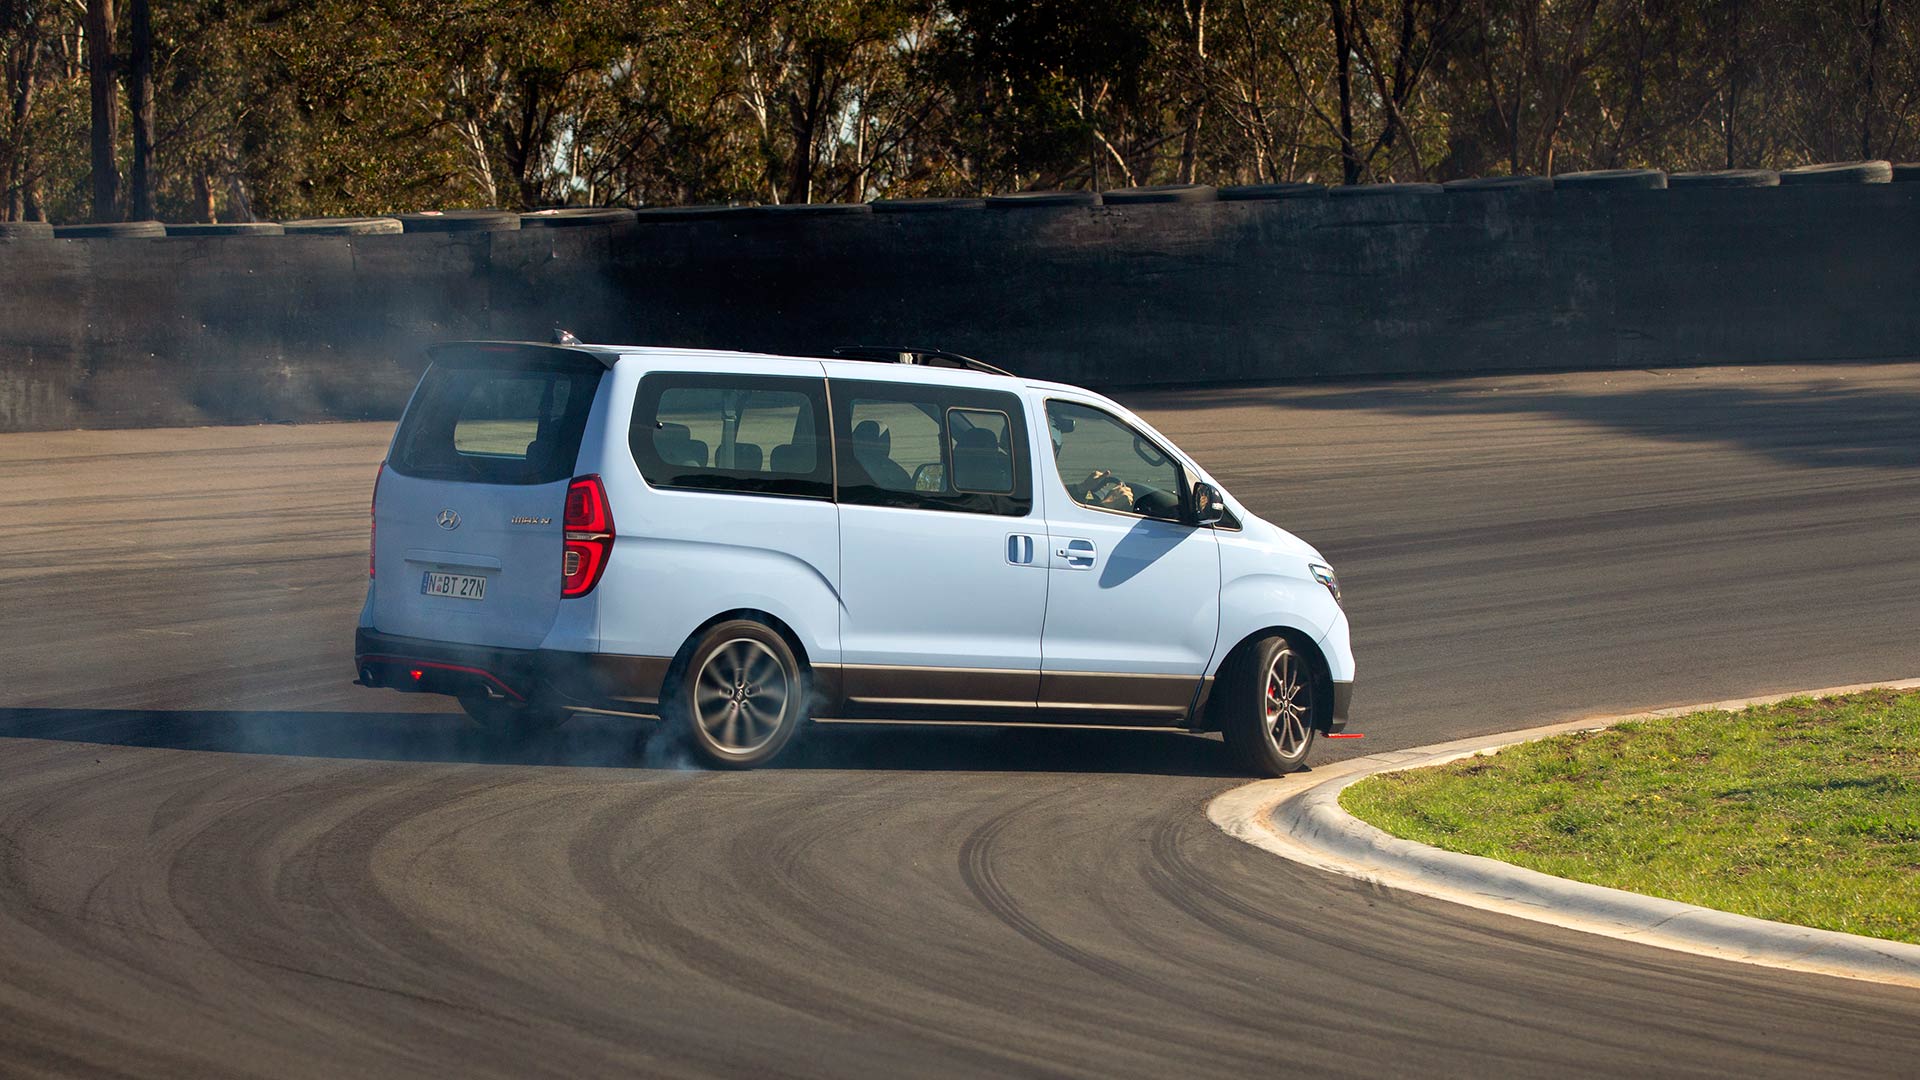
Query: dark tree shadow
615 742
1829 423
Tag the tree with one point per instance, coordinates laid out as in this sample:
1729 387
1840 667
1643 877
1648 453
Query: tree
101 69
284 108
140 102
1051 94
21 28
1387 51
1533 57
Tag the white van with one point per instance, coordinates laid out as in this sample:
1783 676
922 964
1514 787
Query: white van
741 544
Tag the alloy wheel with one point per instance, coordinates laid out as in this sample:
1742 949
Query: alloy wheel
1289 704
742 696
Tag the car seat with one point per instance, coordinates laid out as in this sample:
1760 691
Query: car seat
746 457
979 464
677 446
872 448
794 458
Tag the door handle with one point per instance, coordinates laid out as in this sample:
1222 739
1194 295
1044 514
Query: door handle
1077 554
1020 549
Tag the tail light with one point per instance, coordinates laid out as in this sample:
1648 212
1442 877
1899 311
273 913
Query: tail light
373 519
589 536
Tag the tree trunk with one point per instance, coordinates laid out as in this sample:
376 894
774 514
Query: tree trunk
26 177
1735 69
203 195
106 110
860 154
806 131
1190 147
1343 68
526 147
19 177
140 98
239 206
1196 114
1876 36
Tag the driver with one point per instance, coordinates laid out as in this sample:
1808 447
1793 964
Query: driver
1102 488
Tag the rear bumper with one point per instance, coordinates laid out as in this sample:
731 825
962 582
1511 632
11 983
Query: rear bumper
583 680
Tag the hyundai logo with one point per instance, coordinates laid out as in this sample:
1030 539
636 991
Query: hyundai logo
448 520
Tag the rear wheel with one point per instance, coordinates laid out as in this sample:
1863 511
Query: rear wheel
1271 707
513 719
741 696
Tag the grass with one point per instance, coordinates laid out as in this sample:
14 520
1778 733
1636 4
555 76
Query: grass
1804 811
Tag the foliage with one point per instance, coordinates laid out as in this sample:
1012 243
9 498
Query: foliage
283 108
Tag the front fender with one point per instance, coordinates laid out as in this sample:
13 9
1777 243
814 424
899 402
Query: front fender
1255 602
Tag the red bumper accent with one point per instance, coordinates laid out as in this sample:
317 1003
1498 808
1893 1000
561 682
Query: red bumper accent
412 664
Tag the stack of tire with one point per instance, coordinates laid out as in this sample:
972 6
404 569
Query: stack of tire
492 220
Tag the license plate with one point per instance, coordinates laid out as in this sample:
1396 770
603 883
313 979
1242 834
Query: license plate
458 586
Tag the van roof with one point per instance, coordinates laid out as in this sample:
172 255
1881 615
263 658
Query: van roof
609 355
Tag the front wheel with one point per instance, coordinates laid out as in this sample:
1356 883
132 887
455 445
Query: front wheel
1271 706
741 696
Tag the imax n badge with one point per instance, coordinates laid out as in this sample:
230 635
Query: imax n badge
448 520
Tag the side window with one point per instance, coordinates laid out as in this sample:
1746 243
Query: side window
763 435
977 445
931 448
1107 465
897 444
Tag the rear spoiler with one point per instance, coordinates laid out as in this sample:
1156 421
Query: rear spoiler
525 350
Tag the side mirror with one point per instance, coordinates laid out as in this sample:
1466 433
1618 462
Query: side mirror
1209 506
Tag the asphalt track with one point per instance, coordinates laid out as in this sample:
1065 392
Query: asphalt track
218 857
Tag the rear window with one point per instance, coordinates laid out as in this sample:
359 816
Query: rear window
507 420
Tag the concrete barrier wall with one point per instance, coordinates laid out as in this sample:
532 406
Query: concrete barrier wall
147 332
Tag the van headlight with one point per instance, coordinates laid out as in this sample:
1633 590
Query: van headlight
1324 574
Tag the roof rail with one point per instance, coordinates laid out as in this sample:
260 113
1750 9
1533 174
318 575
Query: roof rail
907 354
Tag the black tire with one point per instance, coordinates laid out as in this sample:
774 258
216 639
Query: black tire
1631 179
687 213
800 210
1725 178
1262 192
569 216
114 229
514 721
1270 733
228 228
1164 193
344 226
1839 172
1500 183
1033 200
1361 191
918 206
462 221
740 697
